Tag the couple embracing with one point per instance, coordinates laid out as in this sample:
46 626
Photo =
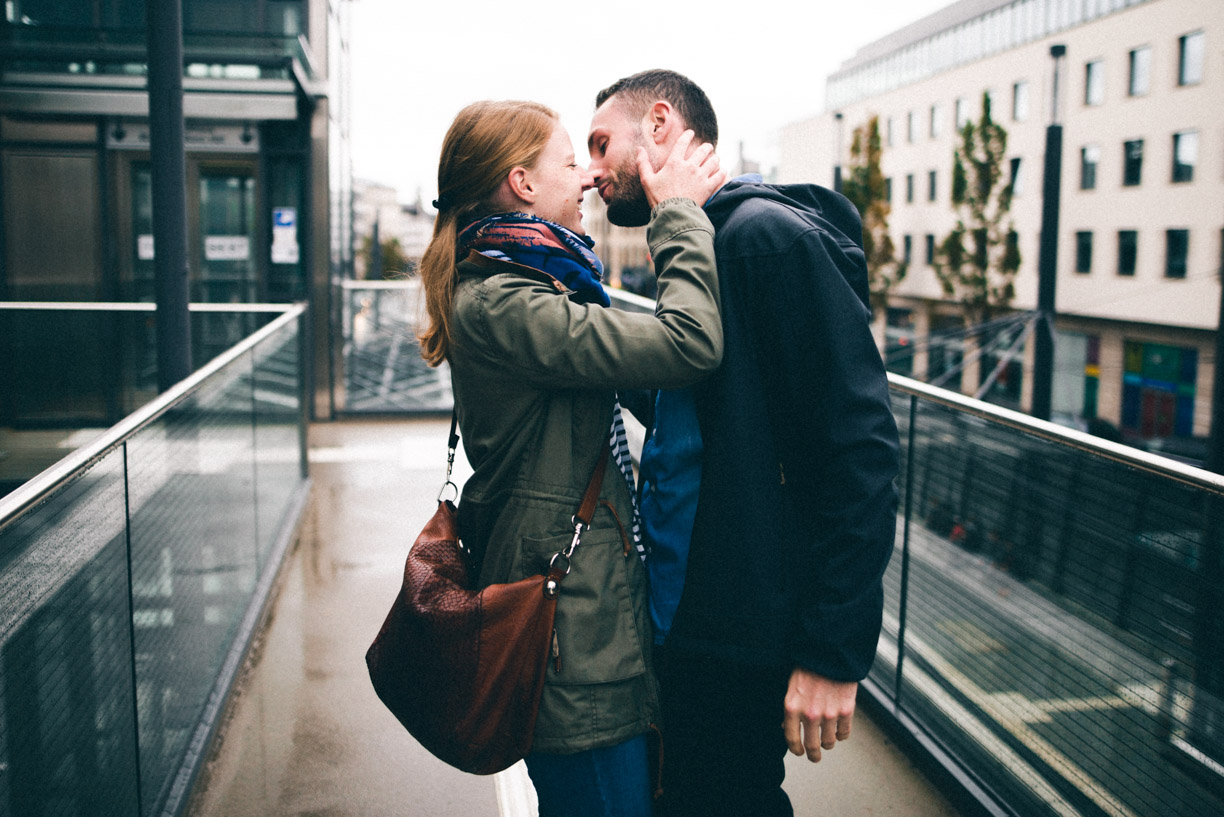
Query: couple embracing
731 594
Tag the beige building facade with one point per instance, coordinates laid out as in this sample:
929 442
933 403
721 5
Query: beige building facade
1142 193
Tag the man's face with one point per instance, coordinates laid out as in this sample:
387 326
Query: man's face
613 143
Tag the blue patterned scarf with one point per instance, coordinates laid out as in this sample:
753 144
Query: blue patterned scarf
543 245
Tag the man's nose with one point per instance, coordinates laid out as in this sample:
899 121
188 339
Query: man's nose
588 180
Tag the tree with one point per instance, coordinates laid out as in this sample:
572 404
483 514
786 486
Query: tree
392 260
978 261
868 191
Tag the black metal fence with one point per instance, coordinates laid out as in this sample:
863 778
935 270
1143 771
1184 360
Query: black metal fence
1053 615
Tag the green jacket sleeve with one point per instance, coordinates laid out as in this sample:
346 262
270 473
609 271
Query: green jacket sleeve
522 324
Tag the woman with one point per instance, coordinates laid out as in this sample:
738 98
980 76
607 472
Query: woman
516 307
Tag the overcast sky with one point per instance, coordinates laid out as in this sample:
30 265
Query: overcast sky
762 62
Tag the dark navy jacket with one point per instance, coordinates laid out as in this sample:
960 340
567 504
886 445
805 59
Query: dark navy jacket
797 509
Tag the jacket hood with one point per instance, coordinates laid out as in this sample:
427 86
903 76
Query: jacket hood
836 212
812 207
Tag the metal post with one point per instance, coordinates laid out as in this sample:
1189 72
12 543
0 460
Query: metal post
1047 264
375 271
837 154
903 602
1215 451
168 158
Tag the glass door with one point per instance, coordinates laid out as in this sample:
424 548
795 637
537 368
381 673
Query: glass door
227 236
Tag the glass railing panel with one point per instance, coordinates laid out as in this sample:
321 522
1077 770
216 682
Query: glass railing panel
277 413
67 733
149 536
1060 618
73 370
194 561
383 369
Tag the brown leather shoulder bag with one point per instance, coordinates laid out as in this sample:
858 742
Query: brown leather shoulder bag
463 668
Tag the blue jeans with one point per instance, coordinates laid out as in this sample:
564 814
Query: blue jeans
611 781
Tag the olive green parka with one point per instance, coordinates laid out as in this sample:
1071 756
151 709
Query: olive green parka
534 378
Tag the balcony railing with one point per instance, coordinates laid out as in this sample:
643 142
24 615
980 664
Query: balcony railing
1052 624
132 576
381 363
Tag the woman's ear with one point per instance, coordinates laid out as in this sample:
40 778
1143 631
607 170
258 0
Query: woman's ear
521 185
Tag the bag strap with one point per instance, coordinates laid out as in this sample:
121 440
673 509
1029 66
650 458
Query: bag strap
586 510
452 445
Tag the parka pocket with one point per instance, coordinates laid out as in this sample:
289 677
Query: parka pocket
597 633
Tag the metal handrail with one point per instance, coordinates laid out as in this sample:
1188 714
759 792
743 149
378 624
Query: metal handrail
135 306
408 283
1062 435
30 493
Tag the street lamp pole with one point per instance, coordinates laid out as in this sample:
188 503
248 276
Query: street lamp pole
1047 264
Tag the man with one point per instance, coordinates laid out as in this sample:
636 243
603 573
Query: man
768 490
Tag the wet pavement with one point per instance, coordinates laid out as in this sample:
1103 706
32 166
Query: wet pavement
305 735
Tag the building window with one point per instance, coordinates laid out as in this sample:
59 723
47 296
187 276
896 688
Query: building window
1083 251
1158 389
1094 83
899 341
909 127
1090 155
931 189
888 189
936 121
1020 101
909 188
888 127
1190 59
907 249
1140 72
1177 247
961 113
1017 178
930 250
1185 155
1128 249
1132 162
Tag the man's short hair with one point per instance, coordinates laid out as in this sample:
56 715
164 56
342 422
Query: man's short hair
643 89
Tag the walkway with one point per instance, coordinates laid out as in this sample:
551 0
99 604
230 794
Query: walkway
305 734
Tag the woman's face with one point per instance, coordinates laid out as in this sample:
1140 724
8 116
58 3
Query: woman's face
559 183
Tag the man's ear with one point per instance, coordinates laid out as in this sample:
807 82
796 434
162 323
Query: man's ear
662 124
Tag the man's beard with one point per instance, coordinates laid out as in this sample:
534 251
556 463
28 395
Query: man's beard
628 207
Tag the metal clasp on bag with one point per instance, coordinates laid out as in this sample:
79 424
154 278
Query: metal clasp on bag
551 586
450 466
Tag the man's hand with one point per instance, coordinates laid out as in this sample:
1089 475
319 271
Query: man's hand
689 172
818 713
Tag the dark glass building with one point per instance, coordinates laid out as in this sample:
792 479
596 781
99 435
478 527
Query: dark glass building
267 157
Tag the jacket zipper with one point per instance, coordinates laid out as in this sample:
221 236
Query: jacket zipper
556 651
